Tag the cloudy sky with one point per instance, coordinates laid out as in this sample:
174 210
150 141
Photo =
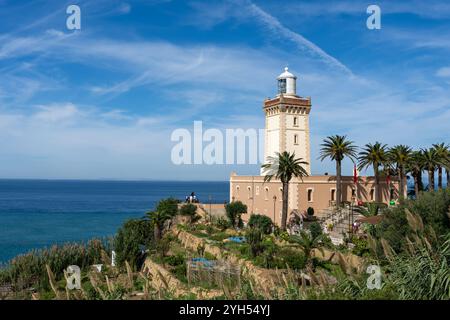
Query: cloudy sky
102 102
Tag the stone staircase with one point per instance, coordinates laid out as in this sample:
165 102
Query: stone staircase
342 220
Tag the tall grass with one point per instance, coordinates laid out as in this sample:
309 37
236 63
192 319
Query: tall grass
29 270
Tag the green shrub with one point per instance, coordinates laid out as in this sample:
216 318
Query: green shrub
168 206
254 238
361 246
188 210
130 238
222 224
209 256
234 211
175 260
432 207
292 259
262 222
180 272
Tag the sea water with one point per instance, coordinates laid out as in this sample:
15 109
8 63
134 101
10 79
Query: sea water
40 213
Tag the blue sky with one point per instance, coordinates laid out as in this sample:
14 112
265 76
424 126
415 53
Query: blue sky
101 102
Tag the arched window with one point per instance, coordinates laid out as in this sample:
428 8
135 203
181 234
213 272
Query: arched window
257 190
281 194
295 122
237 191
266 193
249 189
295 139
333 194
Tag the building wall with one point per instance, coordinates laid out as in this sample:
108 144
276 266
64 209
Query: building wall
259 196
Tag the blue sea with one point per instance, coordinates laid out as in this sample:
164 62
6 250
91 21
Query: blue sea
40 213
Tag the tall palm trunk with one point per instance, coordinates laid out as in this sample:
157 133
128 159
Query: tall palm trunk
285 205
430 180
338 184
401 175
419 181
377 184
416 183
440 178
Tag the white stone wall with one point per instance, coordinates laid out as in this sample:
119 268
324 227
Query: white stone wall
272 136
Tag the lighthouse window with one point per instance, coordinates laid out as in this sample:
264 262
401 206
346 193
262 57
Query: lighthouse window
295 122
295 139
282 86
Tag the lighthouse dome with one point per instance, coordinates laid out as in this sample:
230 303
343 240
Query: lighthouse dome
287 83
286 74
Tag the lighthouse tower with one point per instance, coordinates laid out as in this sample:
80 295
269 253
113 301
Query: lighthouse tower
287 121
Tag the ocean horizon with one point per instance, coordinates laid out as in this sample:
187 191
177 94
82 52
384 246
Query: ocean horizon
39 213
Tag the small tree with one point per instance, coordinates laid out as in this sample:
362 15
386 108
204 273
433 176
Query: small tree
307 244
165 210
254 238
264 223
234 211
128 241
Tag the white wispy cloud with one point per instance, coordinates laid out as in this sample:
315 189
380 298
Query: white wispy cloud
210 14
430 9
274 25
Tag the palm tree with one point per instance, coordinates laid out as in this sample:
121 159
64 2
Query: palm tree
165 210
444 157
430 159
400 155
374 155
415 167
307 244
336 148
284 167
370 210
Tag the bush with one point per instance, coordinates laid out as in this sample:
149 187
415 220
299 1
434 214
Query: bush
168 206
188 210
234 211
175 260
262 222
131 237
222 224
361 246
267 257
292 259
316 229
254 238
432 207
